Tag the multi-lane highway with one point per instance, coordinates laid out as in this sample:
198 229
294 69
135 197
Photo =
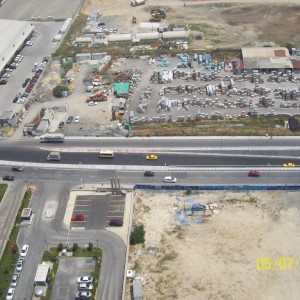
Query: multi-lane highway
193 161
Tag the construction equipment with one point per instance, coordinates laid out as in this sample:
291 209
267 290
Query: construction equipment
133 20
157 14
99 97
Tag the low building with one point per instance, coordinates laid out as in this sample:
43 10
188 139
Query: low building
42 128
26 214
41 275
137 289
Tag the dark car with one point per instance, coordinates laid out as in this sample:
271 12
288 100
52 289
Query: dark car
149 174
101 24
18 169
70 119
25 82
15 99
3 81
8 178
253 173
61 124
116 222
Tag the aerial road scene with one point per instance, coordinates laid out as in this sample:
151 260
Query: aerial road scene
149 149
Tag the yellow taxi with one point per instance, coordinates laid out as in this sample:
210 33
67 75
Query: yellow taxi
151 157
289 164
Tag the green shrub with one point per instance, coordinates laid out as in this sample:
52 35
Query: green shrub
58 91
90 247
137 235
60 247
75 247
188 191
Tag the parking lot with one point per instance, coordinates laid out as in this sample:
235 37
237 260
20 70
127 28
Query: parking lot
69 269
98 210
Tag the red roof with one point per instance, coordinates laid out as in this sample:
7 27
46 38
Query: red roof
279 53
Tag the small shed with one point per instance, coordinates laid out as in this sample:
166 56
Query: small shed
137 289
26 214
83 56
41 275
42 128
121 89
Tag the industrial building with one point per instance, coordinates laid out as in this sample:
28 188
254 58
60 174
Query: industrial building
265 59
13 39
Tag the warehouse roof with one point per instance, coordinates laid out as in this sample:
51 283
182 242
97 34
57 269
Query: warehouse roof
12 37
266 58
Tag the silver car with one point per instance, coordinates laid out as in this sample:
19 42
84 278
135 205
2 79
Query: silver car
169 179
14 280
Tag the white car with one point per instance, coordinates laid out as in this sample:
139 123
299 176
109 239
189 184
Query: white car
77 119
83 295
169 179
14 280
24 250
20 264
10 293
29 43
5 75
8 70
85 286
85 279
92 103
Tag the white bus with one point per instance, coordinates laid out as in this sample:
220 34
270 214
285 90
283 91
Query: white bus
106 154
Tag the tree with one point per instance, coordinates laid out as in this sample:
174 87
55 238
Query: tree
90 246
75 247
137 235
58 91
60 247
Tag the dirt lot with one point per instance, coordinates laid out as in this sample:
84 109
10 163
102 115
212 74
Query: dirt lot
216 259
225 23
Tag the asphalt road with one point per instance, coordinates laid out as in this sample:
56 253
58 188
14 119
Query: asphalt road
44 233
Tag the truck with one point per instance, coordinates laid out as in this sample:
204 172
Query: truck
99 97
137 2
55 156
52 138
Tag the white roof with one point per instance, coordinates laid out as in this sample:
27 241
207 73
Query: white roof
41 273
12 38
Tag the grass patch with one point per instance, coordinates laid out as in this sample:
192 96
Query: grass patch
239 127
3 188
11 253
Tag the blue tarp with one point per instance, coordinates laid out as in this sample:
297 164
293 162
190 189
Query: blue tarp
198 220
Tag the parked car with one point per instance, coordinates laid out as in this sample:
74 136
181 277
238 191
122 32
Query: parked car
8 178
101 24
25 82
20 264
3 81
13 65
61 124
116 223
151 157
149 174
92 103
70 119
253 173
35 33
8 70
83 295
24 250
289 164
77 218
10 293
14 280
18 169
29 43
77 119
5 75
85 286
85 279
46 59
169 179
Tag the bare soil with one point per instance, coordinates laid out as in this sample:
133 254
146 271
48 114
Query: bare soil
227 23
216 259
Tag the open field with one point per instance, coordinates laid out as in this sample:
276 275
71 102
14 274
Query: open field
227 23
216 259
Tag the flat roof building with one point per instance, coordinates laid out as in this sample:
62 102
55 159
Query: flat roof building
41 275
266 58
12 39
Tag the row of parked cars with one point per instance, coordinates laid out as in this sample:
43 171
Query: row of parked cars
85 287
19 268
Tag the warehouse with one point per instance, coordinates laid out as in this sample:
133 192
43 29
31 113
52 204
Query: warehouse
12 39
266 59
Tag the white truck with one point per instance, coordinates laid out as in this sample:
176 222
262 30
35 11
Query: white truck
137 2
55 156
